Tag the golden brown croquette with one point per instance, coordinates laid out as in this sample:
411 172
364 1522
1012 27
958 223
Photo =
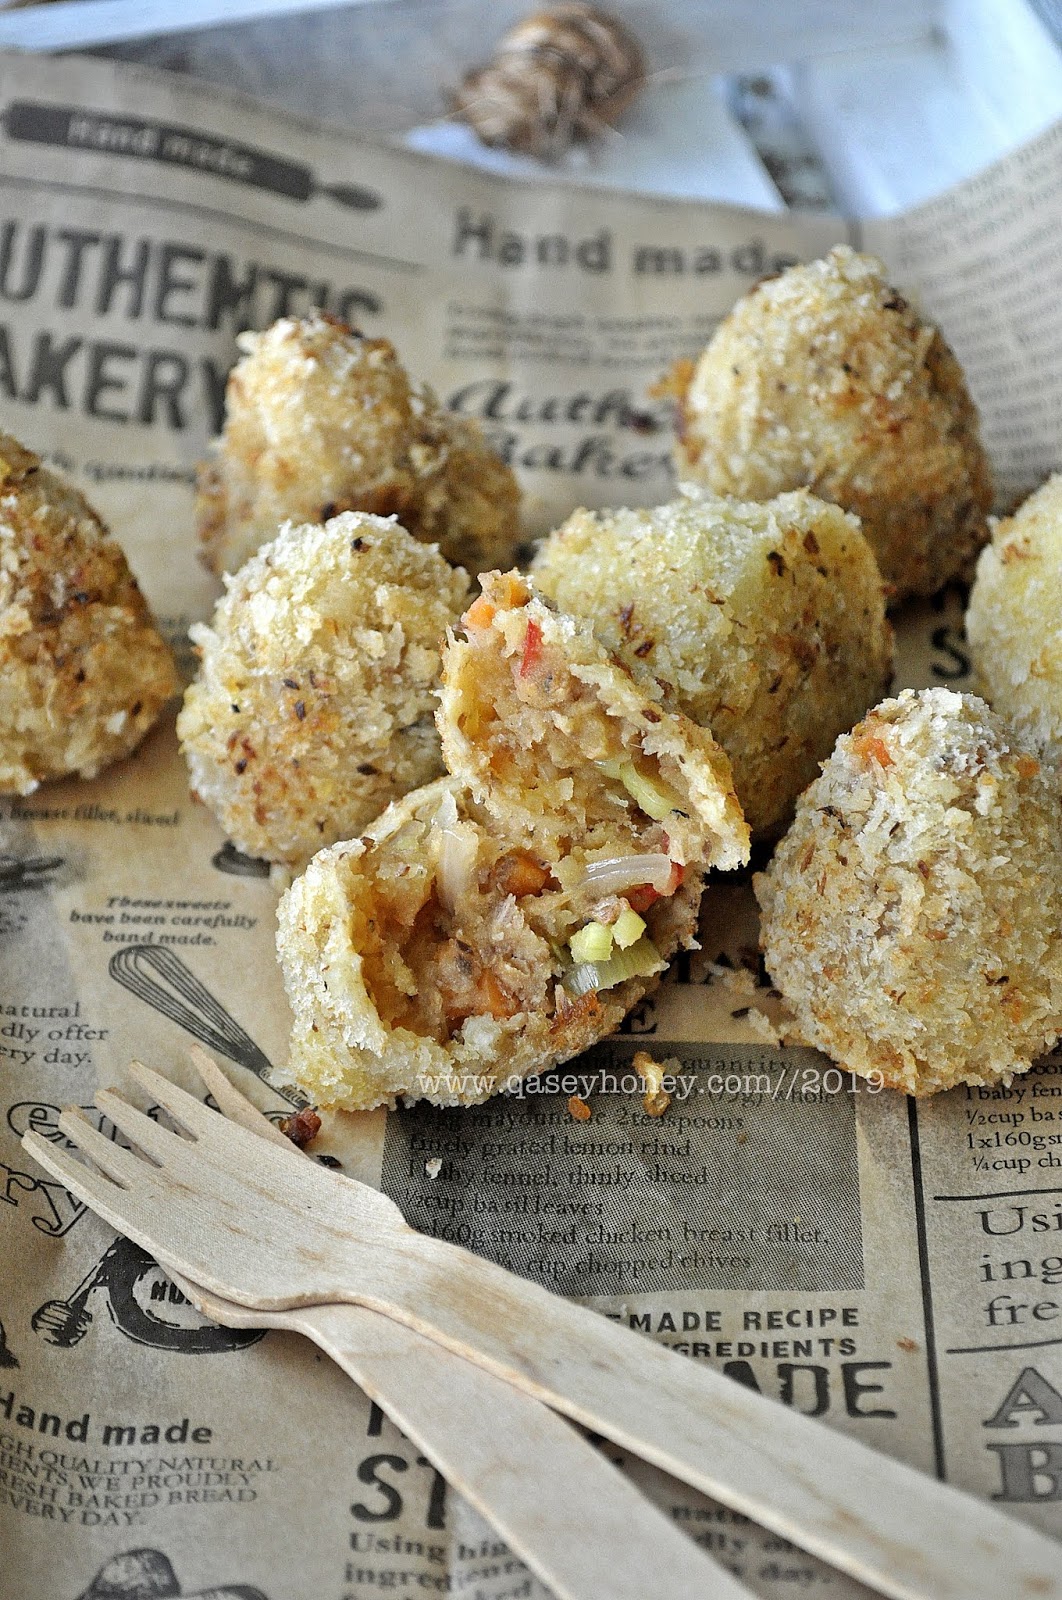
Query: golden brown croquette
320 419
912 915
766 621
84 672
825 378
314 703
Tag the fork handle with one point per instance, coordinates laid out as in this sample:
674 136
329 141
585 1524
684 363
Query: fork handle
892 1527
578 1523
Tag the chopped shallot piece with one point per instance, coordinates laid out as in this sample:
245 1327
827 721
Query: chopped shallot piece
617 874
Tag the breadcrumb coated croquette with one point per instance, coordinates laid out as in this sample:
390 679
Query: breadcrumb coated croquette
767 622
912 915
320 419
507 917
84 673
1014 623
313 706
825 378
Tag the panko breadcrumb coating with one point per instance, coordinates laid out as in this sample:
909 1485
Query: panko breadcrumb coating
84 672
825 378
320 419
507 917
912 915
1014 623
766 621
313 706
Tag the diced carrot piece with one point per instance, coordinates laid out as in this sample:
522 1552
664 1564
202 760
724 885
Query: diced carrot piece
518 873
480 614
496 1000
870 747
644 896
516 592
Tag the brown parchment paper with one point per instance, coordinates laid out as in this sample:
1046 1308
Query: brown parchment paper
892 1270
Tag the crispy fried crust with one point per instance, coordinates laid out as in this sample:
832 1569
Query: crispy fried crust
1013 623
912 915
825 378
84 673
320 420
430 957
766 623
314 704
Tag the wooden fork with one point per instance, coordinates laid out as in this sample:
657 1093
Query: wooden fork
268 1229
576 1521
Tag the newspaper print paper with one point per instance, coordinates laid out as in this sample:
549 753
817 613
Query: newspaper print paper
893 1270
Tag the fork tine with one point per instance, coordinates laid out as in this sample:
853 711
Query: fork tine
160 1143
132 1212
189 1112
234 1104
89 1186
126 1169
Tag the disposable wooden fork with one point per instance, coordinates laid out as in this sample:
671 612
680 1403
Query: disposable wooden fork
269 1230
580 1526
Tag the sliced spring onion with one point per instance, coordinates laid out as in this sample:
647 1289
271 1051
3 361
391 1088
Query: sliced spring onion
617 873
641 960
627 929
592 943
655 798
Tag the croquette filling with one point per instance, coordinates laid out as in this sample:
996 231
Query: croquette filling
562 889
454 925
569 771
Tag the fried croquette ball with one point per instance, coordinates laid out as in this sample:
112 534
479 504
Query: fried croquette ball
1014 624
825 378
766 621
320 419
912 915
313 706
507 917
84 672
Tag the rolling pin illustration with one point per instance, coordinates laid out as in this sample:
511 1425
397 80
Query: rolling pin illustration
145 139
161 979
123 1269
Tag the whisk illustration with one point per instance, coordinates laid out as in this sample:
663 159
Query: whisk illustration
162 980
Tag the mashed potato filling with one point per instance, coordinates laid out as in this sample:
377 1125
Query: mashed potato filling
507 917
